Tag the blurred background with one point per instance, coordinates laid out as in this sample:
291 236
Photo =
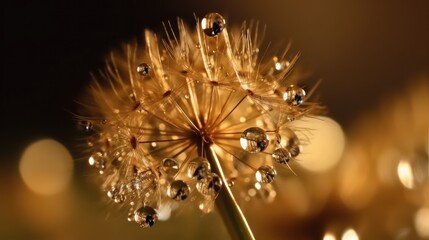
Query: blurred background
369 179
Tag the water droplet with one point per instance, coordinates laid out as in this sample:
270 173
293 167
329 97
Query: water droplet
134 185
130 216
169 166
87 126
116 193
97 160
231 183
178 190
265 174
294 95
210 185
143 69
281 155
198 168
145 217
187 96
254 140
294 149
206 205
146 177
213 24
291 142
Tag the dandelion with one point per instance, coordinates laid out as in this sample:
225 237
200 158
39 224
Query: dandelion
191 117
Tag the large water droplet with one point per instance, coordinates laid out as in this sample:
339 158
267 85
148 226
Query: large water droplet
254 140
169 166
213 24
265 174
210 185
281 155
145 217
178 190
198 168
294 95
143 69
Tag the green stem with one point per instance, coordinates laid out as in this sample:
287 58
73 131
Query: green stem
228 207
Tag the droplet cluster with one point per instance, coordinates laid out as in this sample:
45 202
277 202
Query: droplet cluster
157 108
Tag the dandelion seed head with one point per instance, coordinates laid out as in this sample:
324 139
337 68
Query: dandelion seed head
157 105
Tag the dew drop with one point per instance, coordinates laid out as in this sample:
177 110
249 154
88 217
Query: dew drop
210 185
145 217
294 95
169 166
116 193
281 155
291 142
130 216
178 190
87 126
265 174
294 149
254 140
213 24
143 69
97 160
198 168
207 205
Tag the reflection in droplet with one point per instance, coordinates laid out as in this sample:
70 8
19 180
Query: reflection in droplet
198 168
281 155
46 167
350 234
178 190
97 160
294 95
145 217
117 194
213 24
210 185
169 166
265 174
143 69
254 140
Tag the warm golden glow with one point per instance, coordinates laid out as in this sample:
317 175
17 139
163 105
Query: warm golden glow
327 143
405 174
350 234
329 236
46 167
421 222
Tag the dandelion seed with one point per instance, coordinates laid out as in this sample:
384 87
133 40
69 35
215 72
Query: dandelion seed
208 116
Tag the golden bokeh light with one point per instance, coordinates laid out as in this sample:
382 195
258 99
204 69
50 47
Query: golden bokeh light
421 222
350 234
327 143
46 167
329 236
405 174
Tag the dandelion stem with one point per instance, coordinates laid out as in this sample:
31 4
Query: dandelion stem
228 207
